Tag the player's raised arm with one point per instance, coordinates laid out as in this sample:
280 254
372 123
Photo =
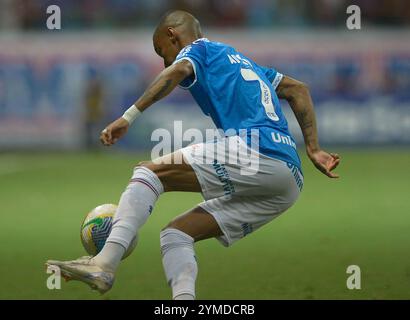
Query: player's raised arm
298 96
164 83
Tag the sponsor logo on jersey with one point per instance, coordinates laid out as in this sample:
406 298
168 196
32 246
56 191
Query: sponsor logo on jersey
283 138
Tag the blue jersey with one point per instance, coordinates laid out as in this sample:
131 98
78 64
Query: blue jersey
239 95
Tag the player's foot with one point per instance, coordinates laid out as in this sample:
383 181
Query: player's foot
84 269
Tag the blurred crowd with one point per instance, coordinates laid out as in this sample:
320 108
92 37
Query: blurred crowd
79 14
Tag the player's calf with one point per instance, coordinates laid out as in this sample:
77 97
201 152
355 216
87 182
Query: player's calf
179 261
177 247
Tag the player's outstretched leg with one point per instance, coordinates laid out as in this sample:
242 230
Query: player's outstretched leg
134 208
148 181
177 248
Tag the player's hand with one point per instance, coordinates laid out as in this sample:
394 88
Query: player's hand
325 162
114 131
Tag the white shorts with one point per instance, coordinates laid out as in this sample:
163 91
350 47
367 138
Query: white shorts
242 196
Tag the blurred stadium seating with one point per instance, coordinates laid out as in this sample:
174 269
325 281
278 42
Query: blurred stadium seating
86 14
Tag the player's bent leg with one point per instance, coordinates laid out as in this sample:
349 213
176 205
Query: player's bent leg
197 223
177 248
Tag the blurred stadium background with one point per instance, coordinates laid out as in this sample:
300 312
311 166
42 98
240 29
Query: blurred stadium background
59 88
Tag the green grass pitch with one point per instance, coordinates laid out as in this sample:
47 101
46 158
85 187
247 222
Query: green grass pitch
362 219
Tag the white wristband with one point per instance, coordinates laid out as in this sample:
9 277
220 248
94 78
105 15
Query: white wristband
131 114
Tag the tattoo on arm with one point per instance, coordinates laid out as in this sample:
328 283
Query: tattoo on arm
280 93
163 89
302 106
300 101
166 81
304 118
153 94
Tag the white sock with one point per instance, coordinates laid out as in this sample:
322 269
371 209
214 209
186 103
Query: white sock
111 258
134 208
178 259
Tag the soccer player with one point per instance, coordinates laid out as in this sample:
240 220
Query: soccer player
237 94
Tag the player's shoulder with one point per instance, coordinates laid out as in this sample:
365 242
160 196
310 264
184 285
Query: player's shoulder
200 46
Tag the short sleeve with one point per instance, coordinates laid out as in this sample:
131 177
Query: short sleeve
195 53
274 77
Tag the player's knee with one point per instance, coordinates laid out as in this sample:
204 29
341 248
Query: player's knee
171 237
150 166
145 164
160 170
142 172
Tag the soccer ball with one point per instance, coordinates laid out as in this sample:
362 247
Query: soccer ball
96 228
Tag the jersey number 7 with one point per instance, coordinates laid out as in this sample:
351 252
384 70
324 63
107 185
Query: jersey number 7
266 94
